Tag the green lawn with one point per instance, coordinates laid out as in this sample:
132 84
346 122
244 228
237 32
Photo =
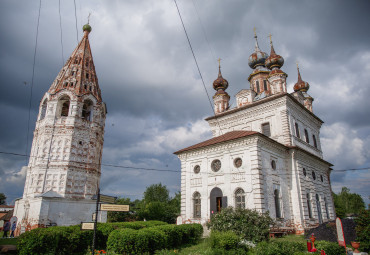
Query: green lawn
9 241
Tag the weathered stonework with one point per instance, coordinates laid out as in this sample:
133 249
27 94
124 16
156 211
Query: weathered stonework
64 168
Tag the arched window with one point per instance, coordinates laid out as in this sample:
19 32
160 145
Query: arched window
43 109
309 206
306 136
264 85
326 209
64 102
87 110
314 141
196 205
277 203
239 198
258 86
297 130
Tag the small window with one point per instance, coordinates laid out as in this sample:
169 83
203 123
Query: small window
87 76
258 86
197 169
65 84
90 88
43 109
304 171
196 205
306 136
313 175
309 206
239 198
216 165
238 162
64 102
266 129
314 141
85 86
277 203
87 63
297 130
273 164
321 178
264 85
87 110
73 73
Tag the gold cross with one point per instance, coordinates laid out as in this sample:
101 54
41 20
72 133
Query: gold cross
297 65
270 35
254 30
88 18
219 62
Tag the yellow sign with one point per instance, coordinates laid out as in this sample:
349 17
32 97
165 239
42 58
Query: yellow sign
107 199
114 208
87 226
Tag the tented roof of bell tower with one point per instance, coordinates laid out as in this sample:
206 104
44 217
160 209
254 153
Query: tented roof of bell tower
78 74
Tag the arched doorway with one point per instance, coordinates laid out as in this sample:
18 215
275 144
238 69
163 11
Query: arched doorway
217 201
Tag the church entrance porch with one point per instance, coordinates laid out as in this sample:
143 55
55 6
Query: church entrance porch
217 201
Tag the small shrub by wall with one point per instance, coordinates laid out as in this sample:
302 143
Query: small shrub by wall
224 240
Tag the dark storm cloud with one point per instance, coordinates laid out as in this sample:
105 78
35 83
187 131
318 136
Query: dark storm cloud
155 97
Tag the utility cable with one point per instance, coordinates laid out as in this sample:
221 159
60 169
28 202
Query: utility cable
61 34
33 76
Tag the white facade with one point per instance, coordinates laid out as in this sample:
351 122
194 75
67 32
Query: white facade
265 154
64 169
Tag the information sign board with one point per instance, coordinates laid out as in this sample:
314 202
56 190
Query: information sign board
87 225
107 199
115 208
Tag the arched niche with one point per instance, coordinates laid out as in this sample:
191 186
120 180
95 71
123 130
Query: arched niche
87 110
217 200
64 103
43 109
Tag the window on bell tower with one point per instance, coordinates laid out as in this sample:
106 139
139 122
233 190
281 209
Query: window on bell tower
87 110
64 104
264 85
258 87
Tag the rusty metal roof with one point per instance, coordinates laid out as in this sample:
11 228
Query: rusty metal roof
219 139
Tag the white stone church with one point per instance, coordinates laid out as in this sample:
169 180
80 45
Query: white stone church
265 153
64 169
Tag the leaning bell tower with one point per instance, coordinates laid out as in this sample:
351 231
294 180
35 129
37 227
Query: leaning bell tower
65 162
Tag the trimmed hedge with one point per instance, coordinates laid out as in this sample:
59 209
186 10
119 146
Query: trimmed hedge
73 240
129 241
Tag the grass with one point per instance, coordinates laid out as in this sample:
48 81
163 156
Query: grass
8 241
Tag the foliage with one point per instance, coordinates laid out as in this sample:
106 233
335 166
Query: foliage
363 230
174 235
136 224
279 248
2 199
330 248
156 193
347 203
224 240
124 216
247 224
131 241
156 204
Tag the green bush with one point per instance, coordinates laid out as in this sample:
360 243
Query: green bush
330 248
279 248
363 230
54 240
174 235
136 224
191 233
122 241
224 240
247 224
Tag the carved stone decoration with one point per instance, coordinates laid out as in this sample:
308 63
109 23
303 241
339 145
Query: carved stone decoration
216 165
238 162
197 169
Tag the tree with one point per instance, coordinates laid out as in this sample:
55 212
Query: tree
347 203
124 216
2 199
156 193
157 205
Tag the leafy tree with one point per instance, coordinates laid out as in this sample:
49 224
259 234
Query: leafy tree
2 199
157 205
124 216
363 230
156 193
347 203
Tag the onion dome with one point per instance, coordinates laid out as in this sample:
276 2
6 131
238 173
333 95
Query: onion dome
301 85
87 28
220 83
258 57
274 60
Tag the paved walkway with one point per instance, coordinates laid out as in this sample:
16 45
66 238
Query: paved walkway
5 249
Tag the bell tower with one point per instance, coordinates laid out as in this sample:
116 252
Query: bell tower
65 161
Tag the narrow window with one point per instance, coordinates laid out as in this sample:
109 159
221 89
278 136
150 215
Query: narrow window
318 205
314 141
196 205
87 110
264 85
304 172
309 206
90 88
277 203
258 86
326 209
73 73
65 84
43 109
297 130
313 175
239 199
306 136
273 164
85 86
266 129
64 101
87 63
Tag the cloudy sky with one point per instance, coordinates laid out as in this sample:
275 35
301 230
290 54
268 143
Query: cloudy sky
151 85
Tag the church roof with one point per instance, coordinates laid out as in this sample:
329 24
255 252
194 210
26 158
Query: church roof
78 74
219 139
